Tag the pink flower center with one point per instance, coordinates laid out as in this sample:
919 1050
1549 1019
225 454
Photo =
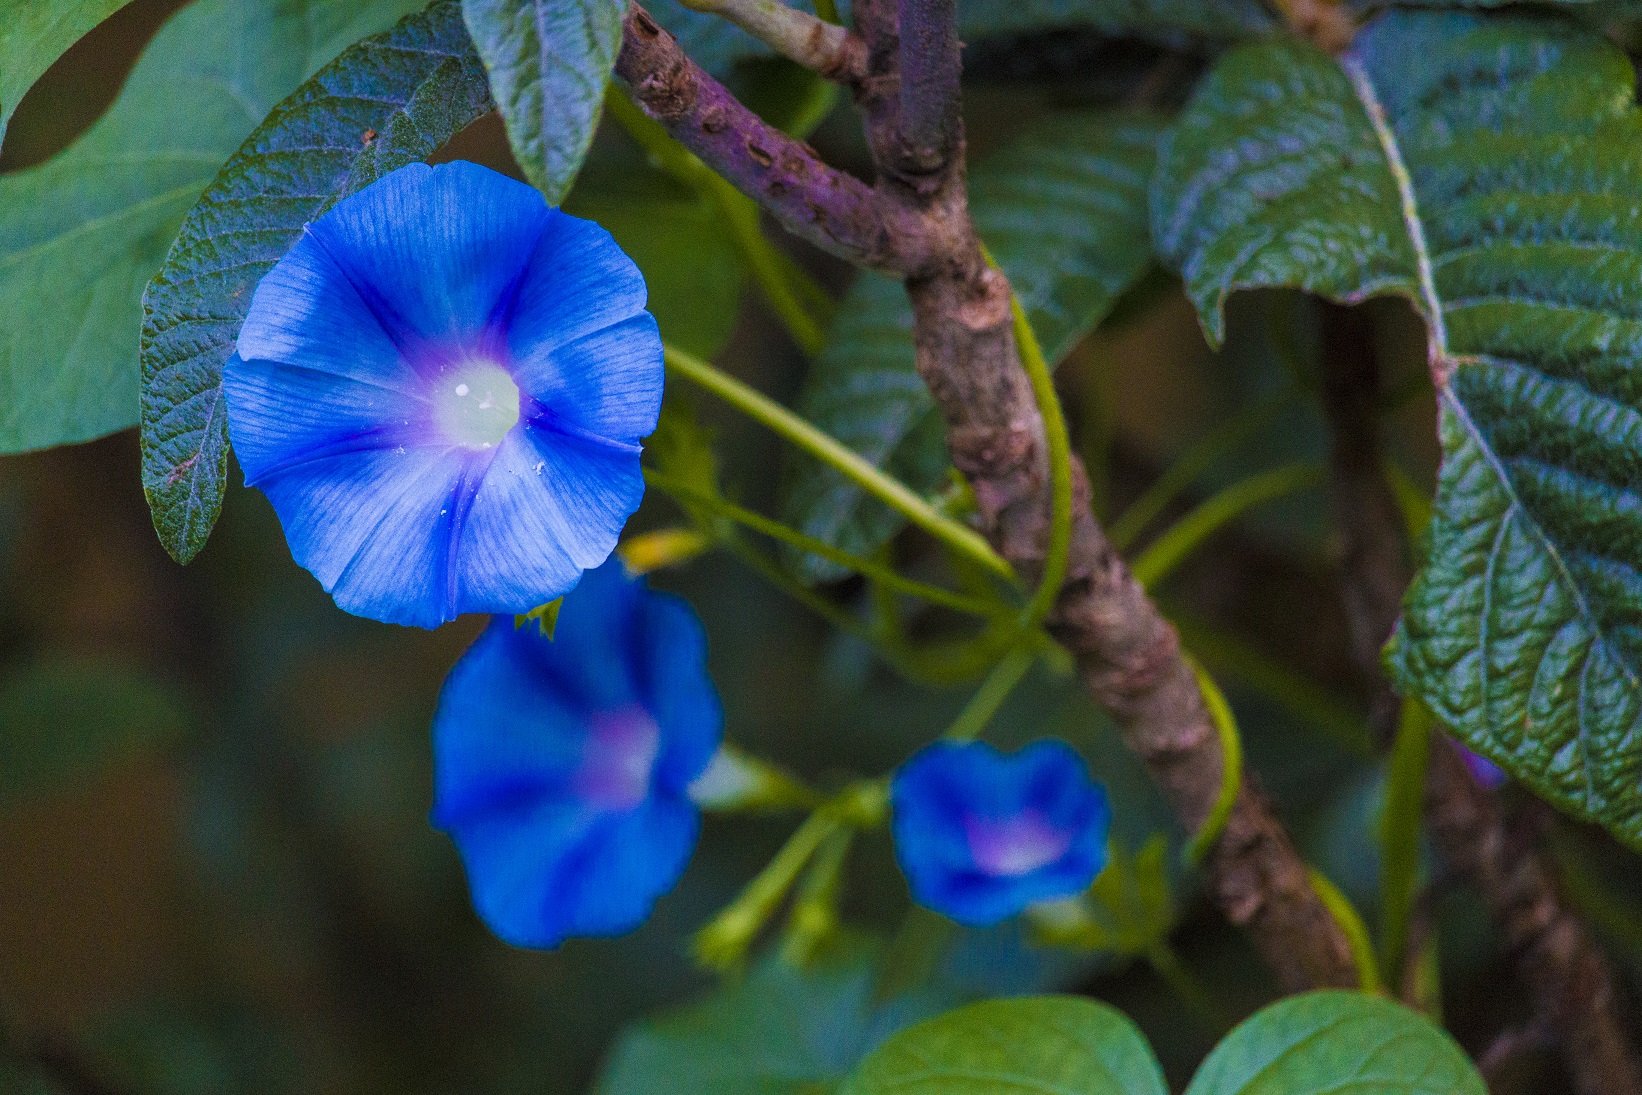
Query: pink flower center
1014 846
619 758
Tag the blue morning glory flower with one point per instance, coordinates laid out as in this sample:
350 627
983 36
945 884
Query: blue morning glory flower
442 389
982 835
562 766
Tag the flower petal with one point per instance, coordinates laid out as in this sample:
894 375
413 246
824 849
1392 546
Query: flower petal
950 795
606 384
545 872
548 763
280 415
435 251
577 281
374 527
514 856
677 690
503 727
639 857
548 508
306 312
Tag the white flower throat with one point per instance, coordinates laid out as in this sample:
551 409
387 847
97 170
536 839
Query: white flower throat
476 405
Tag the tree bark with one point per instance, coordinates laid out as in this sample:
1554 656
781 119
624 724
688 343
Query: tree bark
916 222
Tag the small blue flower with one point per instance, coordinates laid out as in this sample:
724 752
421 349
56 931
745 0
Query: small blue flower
442 389
981 835
562 765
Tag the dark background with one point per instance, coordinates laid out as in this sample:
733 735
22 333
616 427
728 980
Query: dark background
245 895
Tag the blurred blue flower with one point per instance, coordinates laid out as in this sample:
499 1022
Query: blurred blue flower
982 835
442 388
562 766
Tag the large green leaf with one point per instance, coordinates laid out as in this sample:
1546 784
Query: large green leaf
385 102
1064 210
549 63
779 1031
83 232
68 719
1047 1045
1486 168
1337 1041
33 34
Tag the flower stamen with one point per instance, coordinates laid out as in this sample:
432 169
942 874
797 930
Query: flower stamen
476 405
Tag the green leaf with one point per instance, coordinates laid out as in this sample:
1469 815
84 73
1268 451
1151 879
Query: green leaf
1064 212
65 719
1483 167
691 267
1046 1045
385 102
545 617
82 233
683 450
549 62
33 34
779 1031
1337 1041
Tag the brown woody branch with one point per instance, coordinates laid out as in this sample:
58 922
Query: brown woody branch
916 222
1575 993
1128 655
831 209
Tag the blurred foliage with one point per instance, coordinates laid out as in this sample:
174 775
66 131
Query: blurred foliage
68 718
216 872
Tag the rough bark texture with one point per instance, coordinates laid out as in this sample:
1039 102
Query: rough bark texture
1129 657
1574 989
917 223
833 210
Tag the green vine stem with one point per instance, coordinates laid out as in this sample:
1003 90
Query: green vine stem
1312 703
830 451
1217 446
814 916
1177 542
786 289
1231 776
1059 444
885 576
1356 933
1400 825
935 664
722 945
984 704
